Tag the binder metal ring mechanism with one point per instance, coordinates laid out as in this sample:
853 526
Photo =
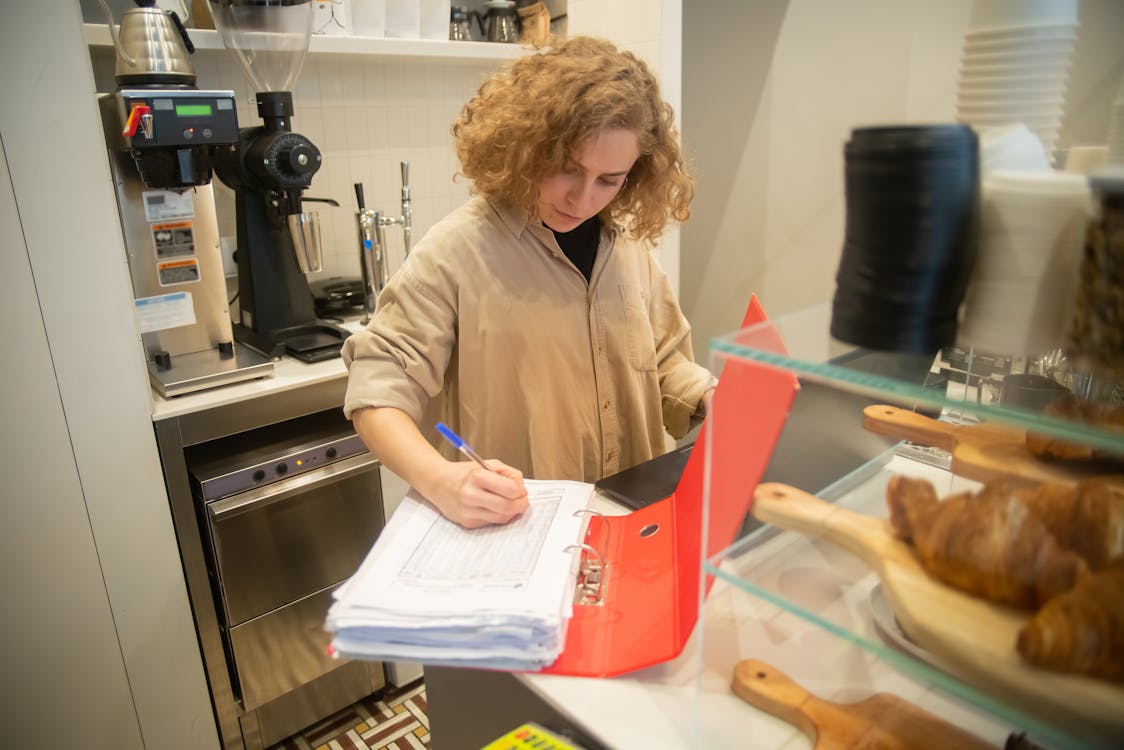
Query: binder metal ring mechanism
592 572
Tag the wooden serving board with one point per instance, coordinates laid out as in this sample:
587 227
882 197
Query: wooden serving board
971 636
981 451
882 721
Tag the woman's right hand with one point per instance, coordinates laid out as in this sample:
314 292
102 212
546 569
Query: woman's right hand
467 494
463 491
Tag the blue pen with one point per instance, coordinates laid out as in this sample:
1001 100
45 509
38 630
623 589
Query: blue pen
461 445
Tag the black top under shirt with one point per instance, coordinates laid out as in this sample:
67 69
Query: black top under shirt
580 244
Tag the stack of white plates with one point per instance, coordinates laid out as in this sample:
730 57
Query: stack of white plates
1029 254
1014 67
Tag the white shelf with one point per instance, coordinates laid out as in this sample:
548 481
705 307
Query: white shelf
97 35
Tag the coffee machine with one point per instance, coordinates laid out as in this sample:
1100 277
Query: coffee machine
162 133
269 170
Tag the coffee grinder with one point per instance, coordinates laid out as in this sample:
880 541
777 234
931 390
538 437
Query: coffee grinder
271 167
161 133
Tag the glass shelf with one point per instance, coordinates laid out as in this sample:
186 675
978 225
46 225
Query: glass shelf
810 352
791 581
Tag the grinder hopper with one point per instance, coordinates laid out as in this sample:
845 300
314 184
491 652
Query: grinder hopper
278 241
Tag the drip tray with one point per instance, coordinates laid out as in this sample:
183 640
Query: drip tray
310 342
315 344
198 371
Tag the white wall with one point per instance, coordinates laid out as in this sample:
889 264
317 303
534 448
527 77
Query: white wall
771 92
49 572
93 588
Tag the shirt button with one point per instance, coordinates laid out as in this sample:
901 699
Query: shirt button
605 406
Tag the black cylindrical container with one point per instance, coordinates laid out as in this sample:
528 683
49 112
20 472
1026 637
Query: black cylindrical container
912 196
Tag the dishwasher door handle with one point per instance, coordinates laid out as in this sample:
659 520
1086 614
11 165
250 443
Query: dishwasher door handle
260 497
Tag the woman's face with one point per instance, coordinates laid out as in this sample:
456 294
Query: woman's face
590 182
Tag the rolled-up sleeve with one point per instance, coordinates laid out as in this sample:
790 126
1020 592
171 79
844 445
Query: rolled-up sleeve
400 358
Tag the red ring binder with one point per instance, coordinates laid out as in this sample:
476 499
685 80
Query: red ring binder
649 585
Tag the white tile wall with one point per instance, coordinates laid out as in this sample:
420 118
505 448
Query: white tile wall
366 115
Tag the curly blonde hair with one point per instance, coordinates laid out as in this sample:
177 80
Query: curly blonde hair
527 121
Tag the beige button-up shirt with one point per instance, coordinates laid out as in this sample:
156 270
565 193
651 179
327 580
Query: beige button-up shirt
489 328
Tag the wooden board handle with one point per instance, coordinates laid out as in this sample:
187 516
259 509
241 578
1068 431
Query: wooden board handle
772 691
883 419
795 510
882 721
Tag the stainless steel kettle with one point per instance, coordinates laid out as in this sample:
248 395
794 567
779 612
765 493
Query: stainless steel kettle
152 47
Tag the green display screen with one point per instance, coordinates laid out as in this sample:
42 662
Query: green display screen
193 110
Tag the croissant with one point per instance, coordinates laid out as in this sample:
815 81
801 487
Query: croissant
1087 518
988 543
1076 409
1081 630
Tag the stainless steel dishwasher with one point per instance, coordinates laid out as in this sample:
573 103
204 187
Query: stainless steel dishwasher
286 513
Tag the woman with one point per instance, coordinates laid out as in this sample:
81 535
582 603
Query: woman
534 320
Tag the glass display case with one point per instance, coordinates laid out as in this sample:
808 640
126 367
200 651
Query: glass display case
819 613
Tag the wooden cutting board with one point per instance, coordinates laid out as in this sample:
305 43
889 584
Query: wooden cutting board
981 451
882 721
973 637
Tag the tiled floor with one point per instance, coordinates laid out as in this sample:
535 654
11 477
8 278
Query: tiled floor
392 720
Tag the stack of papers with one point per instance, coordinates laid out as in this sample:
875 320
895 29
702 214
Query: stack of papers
434 592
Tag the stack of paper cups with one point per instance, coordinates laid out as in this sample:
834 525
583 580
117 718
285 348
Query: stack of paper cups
433 22
1021 292
1014 67
403 19
368 17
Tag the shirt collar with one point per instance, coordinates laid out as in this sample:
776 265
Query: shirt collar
516 221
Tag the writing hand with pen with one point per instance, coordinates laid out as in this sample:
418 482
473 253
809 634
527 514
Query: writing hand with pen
470 493
482 493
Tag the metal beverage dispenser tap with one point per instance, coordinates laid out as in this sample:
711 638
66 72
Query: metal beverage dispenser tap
407 221
372 242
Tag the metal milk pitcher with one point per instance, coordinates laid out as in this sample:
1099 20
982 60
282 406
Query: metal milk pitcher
499 23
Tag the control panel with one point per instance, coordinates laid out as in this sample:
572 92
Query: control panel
253 459
162 118
278 467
